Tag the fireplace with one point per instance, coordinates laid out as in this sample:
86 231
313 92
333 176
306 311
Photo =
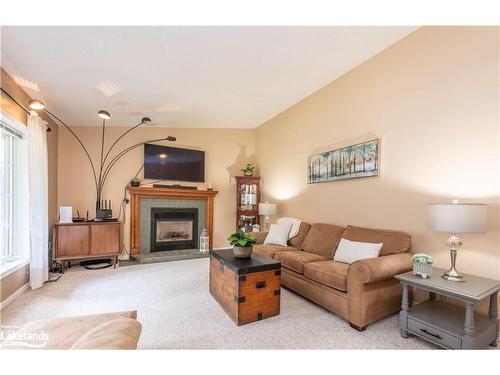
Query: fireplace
174 228
143 199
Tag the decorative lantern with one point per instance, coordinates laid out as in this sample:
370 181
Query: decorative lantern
204 241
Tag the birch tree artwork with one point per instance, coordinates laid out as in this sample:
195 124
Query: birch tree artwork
360 160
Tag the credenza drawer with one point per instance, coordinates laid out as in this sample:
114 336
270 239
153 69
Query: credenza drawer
433 334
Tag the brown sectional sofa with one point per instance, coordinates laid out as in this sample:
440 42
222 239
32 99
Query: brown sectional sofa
362 292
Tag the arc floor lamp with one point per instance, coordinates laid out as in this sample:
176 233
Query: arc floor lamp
105 166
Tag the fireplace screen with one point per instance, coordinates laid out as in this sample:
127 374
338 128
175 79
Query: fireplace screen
174 228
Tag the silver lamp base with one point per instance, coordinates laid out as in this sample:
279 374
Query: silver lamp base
454 244
453 275
267 221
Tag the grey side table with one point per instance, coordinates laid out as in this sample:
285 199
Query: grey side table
450 326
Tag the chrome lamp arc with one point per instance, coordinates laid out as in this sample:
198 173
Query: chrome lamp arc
456 218
101 173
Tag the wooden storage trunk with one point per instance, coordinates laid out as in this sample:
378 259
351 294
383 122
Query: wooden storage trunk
247 289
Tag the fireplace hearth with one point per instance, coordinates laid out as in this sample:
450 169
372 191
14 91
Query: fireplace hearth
174 228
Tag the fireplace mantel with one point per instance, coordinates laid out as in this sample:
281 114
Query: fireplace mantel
138 193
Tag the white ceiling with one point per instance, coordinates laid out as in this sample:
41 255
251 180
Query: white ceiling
222 77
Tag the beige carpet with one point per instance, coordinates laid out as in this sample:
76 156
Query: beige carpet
177 312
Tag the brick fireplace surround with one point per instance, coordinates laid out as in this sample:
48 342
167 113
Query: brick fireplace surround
138 193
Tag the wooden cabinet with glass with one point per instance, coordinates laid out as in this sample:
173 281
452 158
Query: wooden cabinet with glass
247 202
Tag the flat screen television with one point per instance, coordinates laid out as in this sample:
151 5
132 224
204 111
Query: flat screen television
172 163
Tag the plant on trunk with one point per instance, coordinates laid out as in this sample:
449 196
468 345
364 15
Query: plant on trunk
240 239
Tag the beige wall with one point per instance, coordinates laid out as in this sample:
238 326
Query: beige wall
227 150
19 278
433 100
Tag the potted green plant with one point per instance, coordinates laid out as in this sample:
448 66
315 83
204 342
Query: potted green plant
135 181
242 244
248 170
422 265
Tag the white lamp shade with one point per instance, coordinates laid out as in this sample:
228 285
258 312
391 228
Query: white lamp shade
267 209
457 217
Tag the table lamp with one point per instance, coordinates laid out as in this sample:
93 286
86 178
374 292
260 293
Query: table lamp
267 209
456 218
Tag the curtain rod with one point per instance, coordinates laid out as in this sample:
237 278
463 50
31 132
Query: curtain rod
23 107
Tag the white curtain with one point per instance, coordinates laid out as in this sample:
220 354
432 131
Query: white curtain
38 201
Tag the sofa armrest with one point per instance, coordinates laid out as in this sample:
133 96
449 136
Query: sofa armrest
258 236
372 291
381 268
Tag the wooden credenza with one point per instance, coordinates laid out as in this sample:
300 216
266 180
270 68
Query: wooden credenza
80 241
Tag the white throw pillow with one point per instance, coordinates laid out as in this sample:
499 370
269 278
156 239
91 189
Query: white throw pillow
295 223
351 251
278 234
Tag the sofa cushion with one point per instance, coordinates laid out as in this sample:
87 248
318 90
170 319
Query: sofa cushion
393 241
270 250
120 334
259 237
64 332
295 260
329 273
322 239
298 240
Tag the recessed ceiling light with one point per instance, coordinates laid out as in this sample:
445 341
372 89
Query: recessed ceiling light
25 83
108 88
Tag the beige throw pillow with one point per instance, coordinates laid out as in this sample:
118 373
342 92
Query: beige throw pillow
351 251
278 234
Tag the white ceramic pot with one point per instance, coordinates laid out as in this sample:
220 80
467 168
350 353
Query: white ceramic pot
242 252
422 269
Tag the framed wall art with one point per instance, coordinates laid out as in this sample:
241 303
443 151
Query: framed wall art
355 161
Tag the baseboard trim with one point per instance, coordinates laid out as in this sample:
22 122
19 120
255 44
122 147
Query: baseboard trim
14 296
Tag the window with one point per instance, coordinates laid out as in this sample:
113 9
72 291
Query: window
11 206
